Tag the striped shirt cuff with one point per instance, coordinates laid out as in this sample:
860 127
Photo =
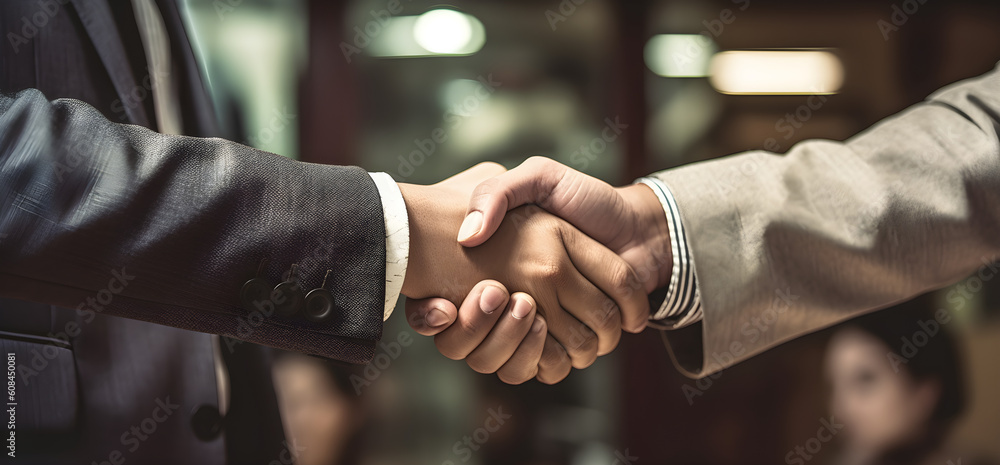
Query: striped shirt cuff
682 305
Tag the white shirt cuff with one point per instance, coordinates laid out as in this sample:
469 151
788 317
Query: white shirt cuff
397 238
682 305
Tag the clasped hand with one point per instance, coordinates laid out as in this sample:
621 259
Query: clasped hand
549 266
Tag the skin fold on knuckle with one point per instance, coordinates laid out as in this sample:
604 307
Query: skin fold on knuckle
624 280
584 354
610 344
549 271
448 349
607 319
606 329
553 354
487 189
547 274
473 325
492 165
553 376
514 377
481 365
537 165
583 363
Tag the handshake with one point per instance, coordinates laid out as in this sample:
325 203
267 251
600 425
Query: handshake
549 265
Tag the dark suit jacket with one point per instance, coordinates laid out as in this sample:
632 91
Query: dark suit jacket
100 219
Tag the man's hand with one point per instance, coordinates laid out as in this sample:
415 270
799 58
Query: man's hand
517 349
581 288
629 219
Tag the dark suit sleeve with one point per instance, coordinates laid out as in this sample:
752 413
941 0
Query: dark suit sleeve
119 220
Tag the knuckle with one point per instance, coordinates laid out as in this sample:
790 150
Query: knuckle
584 362
480 365
609 343
448 350
543 325
537 161
553 377
624 280
514 379
542 378
582 338
611 346
583 350
553 355
548 271
609 318
492 165
487 188
470 325
550 358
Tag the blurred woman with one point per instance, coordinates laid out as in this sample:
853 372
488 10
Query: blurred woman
896 386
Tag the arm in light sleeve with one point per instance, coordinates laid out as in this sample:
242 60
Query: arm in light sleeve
786 245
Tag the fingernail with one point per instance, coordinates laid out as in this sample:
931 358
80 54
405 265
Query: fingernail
436 317
472 224
491 299
521 309
537 325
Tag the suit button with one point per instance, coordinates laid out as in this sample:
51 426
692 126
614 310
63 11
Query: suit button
287 298
206 423
319 305
254 291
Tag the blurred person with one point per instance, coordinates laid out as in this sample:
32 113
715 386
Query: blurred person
745 252
130 232
324 420
895 394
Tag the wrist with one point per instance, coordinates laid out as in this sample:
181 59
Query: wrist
414 196
434 218
654 233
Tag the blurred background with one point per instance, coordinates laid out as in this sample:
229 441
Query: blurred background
616 89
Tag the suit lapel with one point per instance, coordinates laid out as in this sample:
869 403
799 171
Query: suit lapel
199 112
100 25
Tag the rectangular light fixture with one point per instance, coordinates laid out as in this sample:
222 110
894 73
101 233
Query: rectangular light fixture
438 32
776 72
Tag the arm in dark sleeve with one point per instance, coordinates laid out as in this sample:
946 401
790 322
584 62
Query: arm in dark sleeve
119 220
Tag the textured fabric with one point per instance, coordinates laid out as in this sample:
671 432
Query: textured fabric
90 51
191 219
397 238
787 245
166 105
682 304
121 366
125 372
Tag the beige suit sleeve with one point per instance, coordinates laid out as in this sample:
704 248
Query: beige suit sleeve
785 245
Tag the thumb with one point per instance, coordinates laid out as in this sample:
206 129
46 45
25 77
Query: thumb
531 182
466 180
589 204
428 317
